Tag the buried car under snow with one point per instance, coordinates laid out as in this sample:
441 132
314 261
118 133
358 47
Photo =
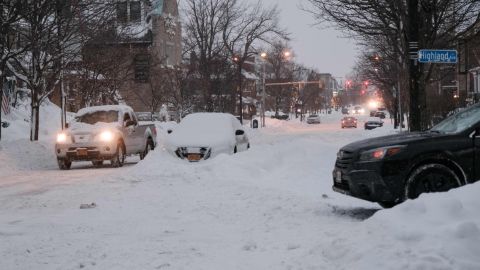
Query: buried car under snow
104 133
204 135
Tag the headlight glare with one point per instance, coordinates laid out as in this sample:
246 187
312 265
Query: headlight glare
61 138
381 153
106 136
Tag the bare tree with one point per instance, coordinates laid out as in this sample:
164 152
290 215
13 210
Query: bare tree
9 16
203 39
53 34
245 27
281 69
401 24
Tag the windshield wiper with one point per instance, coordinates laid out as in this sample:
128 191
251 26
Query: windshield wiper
435 131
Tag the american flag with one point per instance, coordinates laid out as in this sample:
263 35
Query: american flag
5 102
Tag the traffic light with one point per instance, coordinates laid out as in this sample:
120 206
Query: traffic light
348 84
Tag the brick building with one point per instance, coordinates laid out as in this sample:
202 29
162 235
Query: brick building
140 47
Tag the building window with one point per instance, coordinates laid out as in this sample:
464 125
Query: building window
122 13
170 54
142 68
135 11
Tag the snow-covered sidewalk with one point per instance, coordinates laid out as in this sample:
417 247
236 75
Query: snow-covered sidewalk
271 207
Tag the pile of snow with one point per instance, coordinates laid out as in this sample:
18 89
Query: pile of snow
436 231
19 119
17 152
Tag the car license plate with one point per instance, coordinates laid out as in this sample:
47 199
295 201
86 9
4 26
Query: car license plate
82 152
338 176
194 157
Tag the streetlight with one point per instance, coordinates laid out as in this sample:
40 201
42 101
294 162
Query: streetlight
264 56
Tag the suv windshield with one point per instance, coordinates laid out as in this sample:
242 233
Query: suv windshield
98 116
459 122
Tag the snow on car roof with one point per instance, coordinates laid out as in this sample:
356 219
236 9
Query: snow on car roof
119 108
374 119
205 129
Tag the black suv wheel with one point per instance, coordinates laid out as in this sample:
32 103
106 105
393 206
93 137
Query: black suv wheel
430 178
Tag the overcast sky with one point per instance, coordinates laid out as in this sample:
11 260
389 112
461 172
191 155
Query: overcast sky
320 48
316 47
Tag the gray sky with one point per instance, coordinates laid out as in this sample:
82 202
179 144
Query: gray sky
316 47
320 48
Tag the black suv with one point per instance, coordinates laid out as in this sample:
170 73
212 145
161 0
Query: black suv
391 169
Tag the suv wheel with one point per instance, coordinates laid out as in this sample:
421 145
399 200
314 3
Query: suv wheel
119 158
64 164
430 178
148 147
387 204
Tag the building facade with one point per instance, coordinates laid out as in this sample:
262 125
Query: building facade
130 61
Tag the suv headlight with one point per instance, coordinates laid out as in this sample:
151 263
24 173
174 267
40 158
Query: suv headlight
105 136
381 153
63 138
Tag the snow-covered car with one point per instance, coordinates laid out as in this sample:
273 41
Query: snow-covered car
104 133
373 122
313 119
200 136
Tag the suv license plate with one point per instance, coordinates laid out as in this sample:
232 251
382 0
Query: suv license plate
338 177
82 152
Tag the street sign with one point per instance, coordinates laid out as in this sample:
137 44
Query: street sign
438 56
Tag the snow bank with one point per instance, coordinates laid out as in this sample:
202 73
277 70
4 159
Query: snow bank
17 152
19 119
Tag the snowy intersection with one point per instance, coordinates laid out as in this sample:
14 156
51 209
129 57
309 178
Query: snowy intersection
271 207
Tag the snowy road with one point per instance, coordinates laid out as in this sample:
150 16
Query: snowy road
268 208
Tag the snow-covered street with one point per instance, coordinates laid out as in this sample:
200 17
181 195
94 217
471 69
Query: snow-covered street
271 207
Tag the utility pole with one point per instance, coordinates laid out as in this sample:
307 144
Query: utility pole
417 95
400 113
263 94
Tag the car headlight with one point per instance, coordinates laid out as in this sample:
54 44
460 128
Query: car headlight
381 153
105 136
62 138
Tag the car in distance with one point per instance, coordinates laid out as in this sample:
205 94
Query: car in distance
379 114
313 119
358 110
373 123
345 110
104 133
200 136
372 113
348 122
391 169
280 116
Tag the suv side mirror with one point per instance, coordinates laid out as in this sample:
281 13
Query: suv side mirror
129 123
239 132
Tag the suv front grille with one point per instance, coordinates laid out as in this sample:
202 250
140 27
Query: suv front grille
344 159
